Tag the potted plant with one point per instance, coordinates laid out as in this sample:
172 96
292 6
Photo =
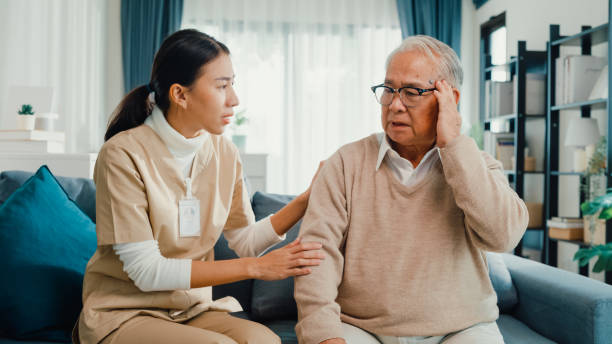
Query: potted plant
239 134
25 117
601 207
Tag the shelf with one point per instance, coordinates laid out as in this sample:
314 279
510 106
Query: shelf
535 116
501 118
559 173
534 172
593 103
575 242
501 66
597 34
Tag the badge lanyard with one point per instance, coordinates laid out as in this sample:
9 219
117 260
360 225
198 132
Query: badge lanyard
189 214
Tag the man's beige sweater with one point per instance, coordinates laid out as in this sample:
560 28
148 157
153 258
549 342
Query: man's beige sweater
405 261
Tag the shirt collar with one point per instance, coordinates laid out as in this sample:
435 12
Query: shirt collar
385 148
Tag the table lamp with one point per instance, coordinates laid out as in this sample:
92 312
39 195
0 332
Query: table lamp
582 134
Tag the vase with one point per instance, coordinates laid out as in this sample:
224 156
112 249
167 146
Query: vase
594 230
26 122
44 121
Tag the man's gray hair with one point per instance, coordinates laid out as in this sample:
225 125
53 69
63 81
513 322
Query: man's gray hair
449 65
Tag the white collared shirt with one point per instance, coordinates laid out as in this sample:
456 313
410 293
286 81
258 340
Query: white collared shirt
402 168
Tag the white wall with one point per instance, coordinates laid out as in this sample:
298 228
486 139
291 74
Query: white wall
529 20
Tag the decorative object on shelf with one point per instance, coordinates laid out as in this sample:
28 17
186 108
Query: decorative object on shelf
45 120
593 185
535 210
565 228
25 117
600 209
604 254
239 135
582 133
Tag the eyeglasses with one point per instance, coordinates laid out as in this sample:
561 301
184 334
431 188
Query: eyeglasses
409 96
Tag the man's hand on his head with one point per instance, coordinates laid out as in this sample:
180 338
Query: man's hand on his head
334 341
449 119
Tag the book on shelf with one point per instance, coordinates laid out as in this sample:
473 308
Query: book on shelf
565 222
576 76
499 98
504 151
535 94
35 135
600 89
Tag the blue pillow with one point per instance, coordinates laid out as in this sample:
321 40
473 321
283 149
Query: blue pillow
45 244
273 299
81 190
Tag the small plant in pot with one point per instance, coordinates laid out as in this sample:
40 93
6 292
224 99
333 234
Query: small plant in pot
239 134
601 207
25 117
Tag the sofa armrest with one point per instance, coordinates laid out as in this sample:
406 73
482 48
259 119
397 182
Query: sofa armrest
562 306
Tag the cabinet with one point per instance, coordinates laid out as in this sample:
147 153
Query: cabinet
79 165
256 171
513 126
583 43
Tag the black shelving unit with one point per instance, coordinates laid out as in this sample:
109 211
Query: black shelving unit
526 61
587 38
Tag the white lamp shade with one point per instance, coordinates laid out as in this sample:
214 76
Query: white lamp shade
582 132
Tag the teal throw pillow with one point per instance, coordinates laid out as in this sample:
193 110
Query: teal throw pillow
45 244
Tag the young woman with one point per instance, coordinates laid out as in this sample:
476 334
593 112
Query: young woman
168 185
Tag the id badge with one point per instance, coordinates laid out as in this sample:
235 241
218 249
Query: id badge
189 218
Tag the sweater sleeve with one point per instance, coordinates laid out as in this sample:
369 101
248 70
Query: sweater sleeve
326 221
150 271
495 217
253 240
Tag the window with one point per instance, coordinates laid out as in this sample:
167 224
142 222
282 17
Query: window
303 74
493 33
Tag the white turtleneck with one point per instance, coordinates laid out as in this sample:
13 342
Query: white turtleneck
143 262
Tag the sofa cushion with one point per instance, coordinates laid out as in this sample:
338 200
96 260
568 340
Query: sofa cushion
273 299
501 280
80 190
515 332
45 244
240 290
285 329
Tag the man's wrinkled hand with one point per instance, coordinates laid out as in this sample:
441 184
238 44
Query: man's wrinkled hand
449 120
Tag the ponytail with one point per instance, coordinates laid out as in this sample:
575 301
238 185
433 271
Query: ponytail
131 112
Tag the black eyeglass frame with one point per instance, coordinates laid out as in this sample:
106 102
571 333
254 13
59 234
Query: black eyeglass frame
420 90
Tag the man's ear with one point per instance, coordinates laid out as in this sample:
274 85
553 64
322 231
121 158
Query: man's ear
457 95
177 95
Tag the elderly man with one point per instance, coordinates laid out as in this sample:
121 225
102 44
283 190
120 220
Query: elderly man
405 218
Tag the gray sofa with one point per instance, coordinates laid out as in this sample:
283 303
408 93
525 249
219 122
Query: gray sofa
538 303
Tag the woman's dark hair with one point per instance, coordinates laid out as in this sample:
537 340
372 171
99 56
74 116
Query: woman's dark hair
178 60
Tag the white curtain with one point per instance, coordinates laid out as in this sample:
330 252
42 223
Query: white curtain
58 44
303 74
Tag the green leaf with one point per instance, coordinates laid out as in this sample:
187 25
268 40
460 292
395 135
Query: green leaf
604 262
603 252
590 208
606 214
